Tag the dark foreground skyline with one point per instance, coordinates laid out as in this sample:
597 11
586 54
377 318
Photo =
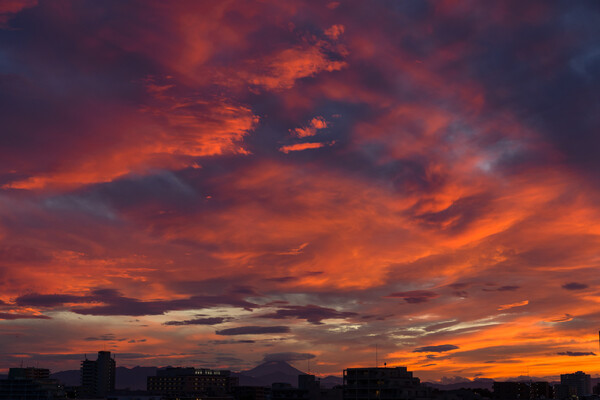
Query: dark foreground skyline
102 375
220 183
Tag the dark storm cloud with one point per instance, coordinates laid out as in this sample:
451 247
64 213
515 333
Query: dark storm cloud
415 296
217 285
576 353
503 362
554 89
198 321
253 330
108 337
575 286
459 285
282 279
50 300
312 313
286 279
116 304
161 190
15 316
288 357
435 349
220 342
509 288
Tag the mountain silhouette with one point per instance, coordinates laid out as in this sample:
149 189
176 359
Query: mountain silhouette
268 373
273 367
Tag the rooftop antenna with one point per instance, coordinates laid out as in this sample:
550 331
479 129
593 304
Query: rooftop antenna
376 356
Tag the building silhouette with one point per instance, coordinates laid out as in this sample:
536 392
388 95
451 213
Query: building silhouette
522 390
98 376
30 384
251 393
578 384
382 384
191 382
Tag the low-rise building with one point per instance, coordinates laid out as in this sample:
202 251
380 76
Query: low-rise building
30 384
383 384
192 382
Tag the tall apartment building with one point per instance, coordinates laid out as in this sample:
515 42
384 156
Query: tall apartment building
579 384
382 384
191 382
98 376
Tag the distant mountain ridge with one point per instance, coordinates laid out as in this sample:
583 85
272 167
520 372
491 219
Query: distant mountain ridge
267 373
264 374
482 383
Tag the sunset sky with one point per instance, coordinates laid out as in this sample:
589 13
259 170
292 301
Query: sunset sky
218 183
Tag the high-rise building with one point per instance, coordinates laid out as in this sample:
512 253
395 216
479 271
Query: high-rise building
98 376
578 383
382 383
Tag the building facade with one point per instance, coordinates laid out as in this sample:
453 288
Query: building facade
30 384
382 384
98 376
192 382
578 384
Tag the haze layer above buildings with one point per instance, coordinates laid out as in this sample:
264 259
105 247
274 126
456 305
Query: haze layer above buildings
220 183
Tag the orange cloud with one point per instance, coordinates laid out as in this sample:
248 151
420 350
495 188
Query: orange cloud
168 135
302 146
335 31
513 305
312 128
282 70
